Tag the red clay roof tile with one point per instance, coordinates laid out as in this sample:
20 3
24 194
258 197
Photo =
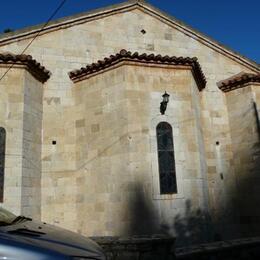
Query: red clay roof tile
34 67
238 81
125 55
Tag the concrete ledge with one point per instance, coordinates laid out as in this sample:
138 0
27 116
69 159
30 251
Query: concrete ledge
137 248
246 249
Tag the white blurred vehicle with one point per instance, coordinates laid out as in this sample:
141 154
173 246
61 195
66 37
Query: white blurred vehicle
24 239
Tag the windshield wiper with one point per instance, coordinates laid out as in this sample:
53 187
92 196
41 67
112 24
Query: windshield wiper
3 223
26 232
20 219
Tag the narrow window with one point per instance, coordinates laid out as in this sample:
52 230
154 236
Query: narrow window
166 160
2 161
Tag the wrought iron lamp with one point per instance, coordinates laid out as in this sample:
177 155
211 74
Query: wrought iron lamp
164 103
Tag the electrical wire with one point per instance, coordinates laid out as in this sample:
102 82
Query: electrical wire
34 38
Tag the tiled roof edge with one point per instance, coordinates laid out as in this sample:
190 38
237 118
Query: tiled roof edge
238 82
34 67
125 55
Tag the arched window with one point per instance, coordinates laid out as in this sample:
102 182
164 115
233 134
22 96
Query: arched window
2 161
166 159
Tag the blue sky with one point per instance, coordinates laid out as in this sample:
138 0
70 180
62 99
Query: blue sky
234 23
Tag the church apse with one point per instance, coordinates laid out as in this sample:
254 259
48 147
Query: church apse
242 95
118 109
21 117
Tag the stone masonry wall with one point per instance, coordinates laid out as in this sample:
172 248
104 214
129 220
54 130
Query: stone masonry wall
32 147
116 117
20 115
11 118
244 123
61 174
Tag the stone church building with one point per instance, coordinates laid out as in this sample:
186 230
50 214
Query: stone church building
88 142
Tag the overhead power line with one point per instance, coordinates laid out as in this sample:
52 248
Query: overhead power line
36 35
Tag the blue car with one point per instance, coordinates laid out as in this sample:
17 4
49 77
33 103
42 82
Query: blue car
24 239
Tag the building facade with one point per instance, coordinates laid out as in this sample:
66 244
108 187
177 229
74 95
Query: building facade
85 145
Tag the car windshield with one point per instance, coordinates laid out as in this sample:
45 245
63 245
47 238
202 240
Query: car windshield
6 217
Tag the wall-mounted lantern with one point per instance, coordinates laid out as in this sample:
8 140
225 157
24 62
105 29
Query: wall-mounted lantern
164 103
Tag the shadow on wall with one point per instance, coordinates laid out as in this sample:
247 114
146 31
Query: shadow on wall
239 217
144 218
236 217
194 227
247 192
248 196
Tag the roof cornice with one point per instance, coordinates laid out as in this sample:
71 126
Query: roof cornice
204 39
26 61
239 81
68 21
123 7
123 55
